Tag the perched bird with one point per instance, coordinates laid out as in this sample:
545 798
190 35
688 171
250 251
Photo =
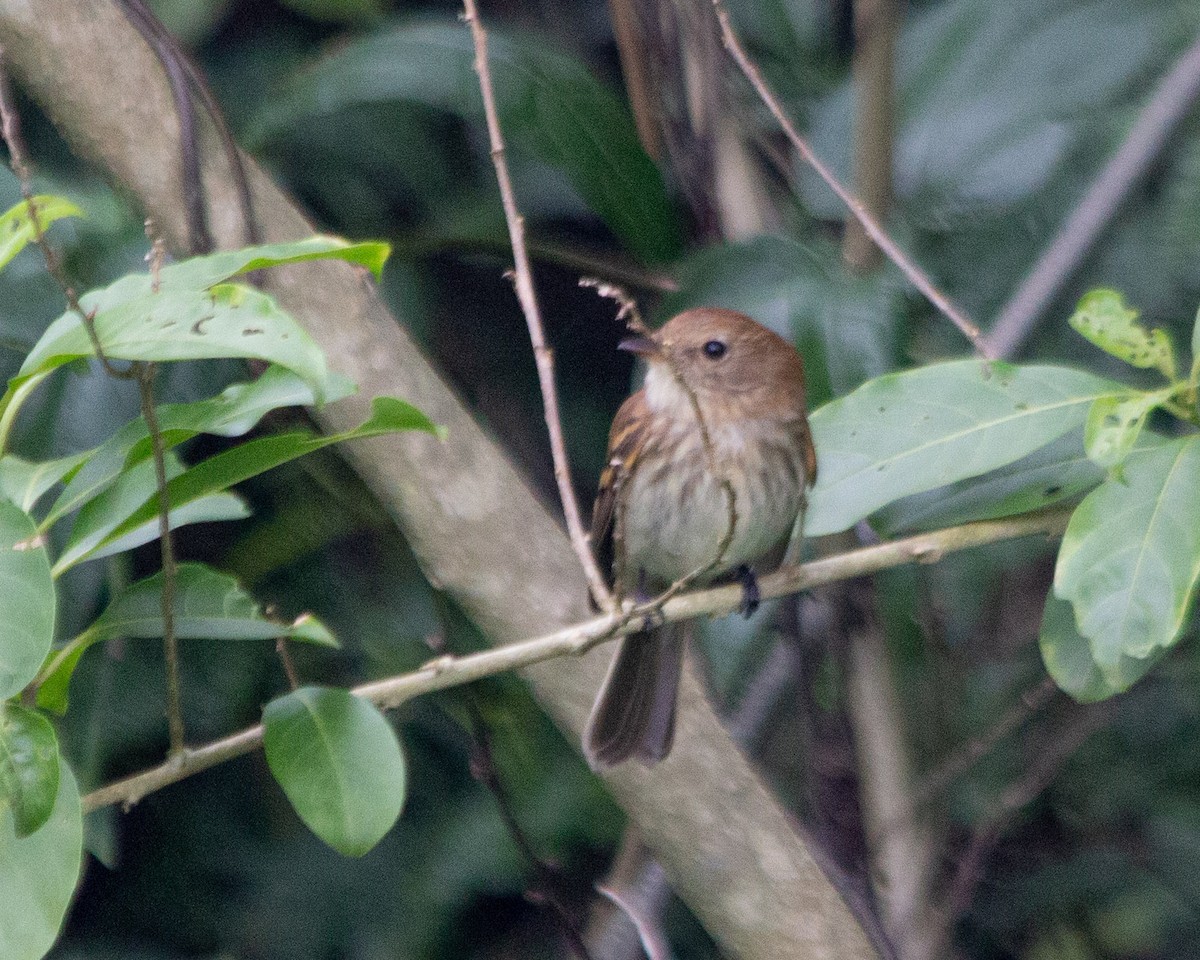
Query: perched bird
663 507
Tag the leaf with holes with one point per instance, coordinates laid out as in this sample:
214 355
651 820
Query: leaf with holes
1103 317
1130 558
909 432
1114 424
339 763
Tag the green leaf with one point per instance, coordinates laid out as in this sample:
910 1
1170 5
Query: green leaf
28 767
16 226
339 763
921 429
228 320
1115 423
1068 658
1195 375
230 467
208 605
38 874
1131 554
549 105
1103 318
1058 471
231 414
94 533
27 602
194 314
25 483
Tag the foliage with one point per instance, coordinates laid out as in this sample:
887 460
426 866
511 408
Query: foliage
1005 113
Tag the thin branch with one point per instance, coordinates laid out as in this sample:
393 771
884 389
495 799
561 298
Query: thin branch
547 879
10 125
449 671
542 354
1169 105
869 224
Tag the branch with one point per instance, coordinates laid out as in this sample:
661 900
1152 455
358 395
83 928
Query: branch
451 671
1169 105
869 224
542 354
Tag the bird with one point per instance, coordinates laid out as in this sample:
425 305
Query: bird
722 408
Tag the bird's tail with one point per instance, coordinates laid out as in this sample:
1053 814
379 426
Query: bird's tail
634 715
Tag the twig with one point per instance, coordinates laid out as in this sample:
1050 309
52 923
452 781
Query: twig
1040 774
448 671
289 665
1167 107
546 878
542 354
869 224
10 124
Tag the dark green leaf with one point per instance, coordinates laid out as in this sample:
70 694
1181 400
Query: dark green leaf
27 602
16 226
28 767
914 431
549 105
208 605
1103 318
38 874
1130 558
339 763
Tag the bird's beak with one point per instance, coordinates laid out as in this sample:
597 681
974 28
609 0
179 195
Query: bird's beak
641 345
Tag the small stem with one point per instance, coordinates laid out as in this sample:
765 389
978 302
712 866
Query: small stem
870 225
542 354
289 665
146 372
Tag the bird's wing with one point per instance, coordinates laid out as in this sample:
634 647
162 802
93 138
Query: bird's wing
626 440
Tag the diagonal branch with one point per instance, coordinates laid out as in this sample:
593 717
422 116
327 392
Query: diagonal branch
450 671
870 225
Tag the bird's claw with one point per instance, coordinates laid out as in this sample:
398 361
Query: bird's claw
751 597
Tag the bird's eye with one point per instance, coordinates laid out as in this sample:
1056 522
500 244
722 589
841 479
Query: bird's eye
714 349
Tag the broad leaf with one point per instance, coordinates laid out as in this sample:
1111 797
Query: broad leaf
17 229
1130 558
230 467
921 429
1058 471
38 874
231 414
27 603
28 767
1069 660
190 312
549 106
1103 318
339 763
208 605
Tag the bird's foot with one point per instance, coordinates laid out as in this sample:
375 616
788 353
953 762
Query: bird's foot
751 597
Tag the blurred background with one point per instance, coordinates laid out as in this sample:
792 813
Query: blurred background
1049 829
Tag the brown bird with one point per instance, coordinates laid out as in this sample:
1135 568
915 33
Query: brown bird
662 503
